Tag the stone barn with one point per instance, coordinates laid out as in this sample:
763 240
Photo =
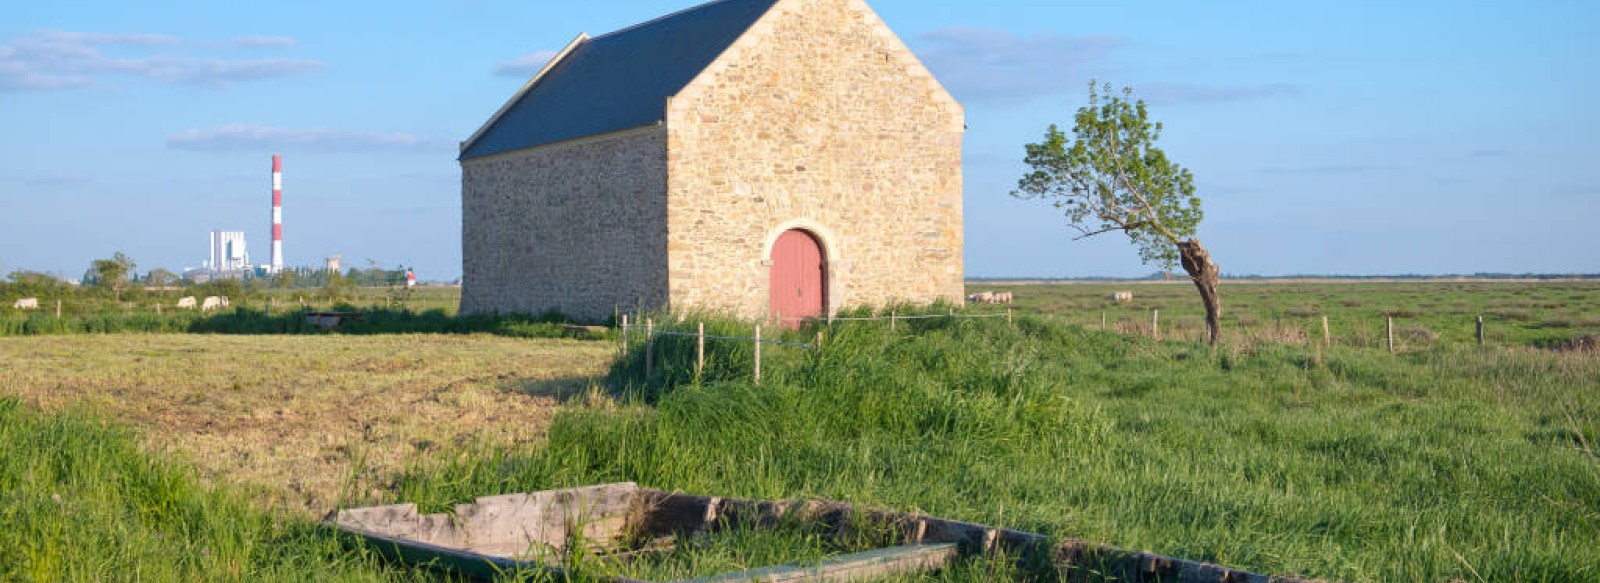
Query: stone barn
764 158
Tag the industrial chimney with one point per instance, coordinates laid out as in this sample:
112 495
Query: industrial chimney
277 214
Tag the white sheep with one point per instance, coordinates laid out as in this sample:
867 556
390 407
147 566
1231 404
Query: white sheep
214 302
186 302
26 304
1122 296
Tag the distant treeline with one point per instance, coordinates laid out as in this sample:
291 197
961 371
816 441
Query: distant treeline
329 284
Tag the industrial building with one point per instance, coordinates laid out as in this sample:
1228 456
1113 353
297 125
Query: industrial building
228 252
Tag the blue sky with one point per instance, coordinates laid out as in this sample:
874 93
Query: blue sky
1348 137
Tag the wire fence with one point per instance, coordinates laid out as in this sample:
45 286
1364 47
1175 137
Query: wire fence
803 345
650 332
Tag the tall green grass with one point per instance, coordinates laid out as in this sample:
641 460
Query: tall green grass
79 501
1350 464
1452 463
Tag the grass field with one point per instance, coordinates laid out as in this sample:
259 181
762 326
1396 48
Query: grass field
1442 463
1552 314
1345 463
1426 313
294 418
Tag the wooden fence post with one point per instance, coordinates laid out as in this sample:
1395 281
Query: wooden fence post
1326 337
1390 328
700 351
893 317
1155 324
649 344
1480 330
1008 317
1102 320
818 345
158 313
624 333
58 309
758 355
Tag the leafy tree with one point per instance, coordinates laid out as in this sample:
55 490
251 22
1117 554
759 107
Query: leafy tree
1112 177
24 284
160 278
223 287
284 279
337 287
113 273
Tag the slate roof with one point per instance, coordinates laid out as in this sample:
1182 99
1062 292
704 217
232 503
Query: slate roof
619 80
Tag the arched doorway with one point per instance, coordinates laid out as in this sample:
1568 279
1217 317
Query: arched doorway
799 278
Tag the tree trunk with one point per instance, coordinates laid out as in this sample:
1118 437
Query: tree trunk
1204 274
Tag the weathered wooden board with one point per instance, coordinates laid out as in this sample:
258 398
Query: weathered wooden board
510 526
521 531
852 567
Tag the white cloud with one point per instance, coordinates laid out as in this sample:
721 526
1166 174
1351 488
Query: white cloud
525 65
263 42
242 136
67 38
981 65
989 65
1175 93
55 60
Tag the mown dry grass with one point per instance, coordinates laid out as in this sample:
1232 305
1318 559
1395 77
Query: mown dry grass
296 419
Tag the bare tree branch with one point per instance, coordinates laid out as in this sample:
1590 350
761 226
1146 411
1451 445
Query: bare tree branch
1086 234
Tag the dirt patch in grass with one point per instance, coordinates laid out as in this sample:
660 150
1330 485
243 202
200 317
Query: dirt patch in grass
301 419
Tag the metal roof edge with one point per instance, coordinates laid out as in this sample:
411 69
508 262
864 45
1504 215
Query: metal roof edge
660 18
600 137
526 87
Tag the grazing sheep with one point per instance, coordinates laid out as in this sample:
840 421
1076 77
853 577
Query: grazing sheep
1122 296
981 298
1002 297
186 302
26 304
214 302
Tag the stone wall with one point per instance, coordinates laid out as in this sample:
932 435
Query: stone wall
817 118
578 227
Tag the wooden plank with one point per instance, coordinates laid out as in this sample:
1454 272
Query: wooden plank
973 538
524 522
545 519
853 567
663 513
1080 560
522 531
460 561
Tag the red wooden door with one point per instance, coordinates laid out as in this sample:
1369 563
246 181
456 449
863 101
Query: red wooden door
797 277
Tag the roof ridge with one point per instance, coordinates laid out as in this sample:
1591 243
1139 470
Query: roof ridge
659 19
617 80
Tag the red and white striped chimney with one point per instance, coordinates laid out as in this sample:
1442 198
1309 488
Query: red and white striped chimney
277 213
